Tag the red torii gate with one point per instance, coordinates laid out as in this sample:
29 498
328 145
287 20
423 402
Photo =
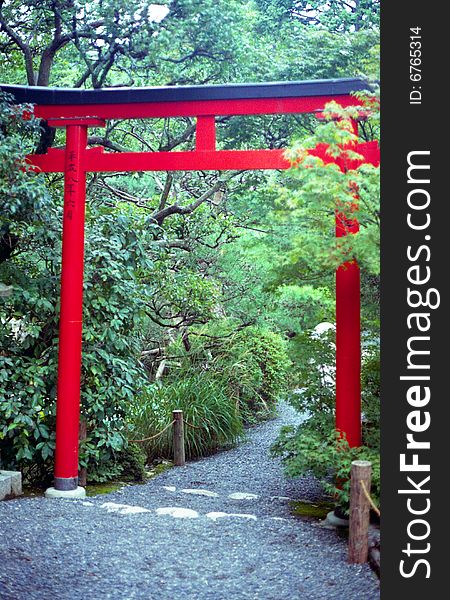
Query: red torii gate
77 110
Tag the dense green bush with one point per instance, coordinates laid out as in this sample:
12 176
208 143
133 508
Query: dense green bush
26 313
250 363
370 398
316 447
267 365
314 371
113 315
132 461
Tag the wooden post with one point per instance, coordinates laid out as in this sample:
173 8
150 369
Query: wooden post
178 439
358 541
82 434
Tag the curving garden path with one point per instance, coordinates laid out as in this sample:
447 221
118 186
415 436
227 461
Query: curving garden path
218 529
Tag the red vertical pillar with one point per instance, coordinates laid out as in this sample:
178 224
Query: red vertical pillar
348 340
70 328
348 350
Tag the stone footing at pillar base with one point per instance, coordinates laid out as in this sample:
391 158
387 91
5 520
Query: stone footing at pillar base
335 521
76 494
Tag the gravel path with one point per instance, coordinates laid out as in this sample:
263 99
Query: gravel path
133 544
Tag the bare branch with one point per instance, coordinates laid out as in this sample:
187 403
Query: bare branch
26 51
165 192
184 137
121 194
175 209
180 244
96 140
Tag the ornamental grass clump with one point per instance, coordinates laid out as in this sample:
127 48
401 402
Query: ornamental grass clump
212 419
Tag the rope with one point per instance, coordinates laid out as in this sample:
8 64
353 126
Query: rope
369 498
152 437
190 424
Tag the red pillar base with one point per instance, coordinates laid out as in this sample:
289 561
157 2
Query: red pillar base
65 483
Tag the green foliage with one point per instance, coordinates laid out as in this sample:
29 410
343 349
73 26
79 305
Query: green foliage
118 254
191 41
314 355
303 306
250 363
22 192
316 189
26 370
119 259
27 420
132 461
370 397
315 445
101 471
335 15
267 366
213 419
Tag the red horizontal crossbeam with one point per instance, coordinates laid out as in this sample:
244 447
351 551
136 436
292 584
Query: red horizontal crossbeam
95 160
246 106
87 121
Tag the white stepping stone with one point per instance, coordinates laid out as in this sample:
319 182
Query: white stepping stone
124 509
113 507
177 513
243 496
87 503
170 488
216 515
280 498
200 492
219 515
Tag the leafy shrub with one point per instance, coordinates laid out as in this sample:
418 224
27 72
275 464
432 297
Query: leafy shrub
268 362
133 460
213 419
251 364
315 445
27 316
106 470
370 398
111 374
128 465
314 356
119 259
